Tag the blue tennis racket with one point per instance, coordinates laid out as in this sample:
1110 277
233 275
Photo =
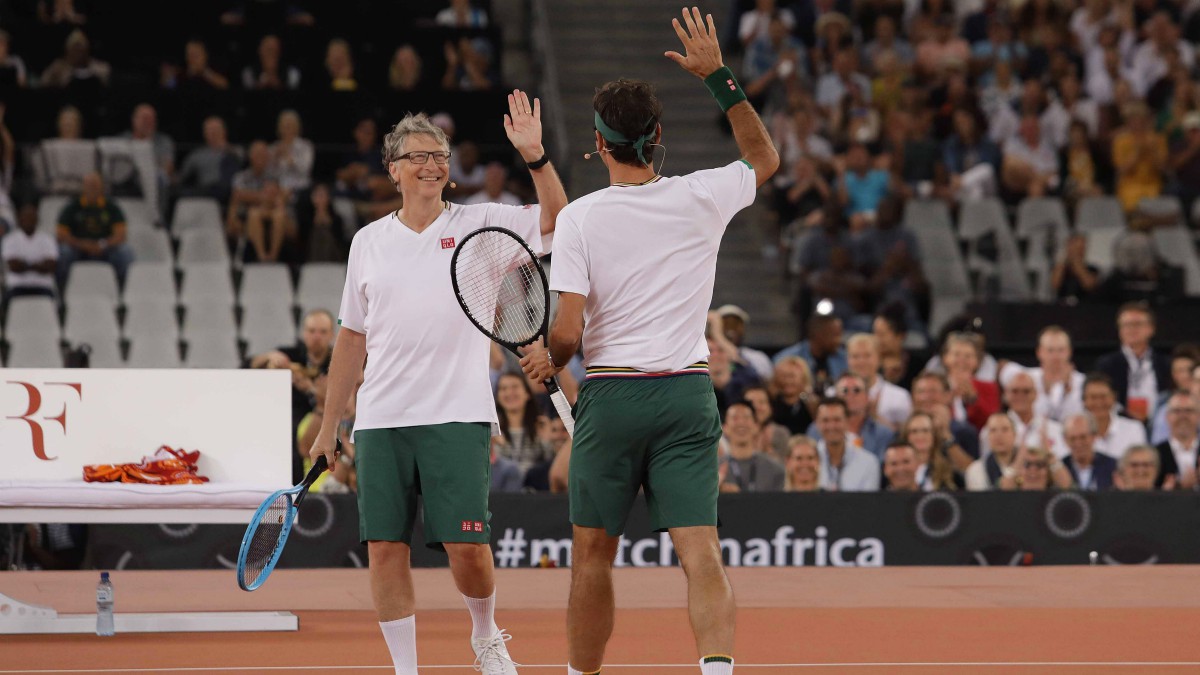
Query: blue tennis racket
269 528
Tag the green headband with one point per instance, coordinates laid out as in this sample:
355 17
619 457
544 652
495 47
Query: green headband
613 136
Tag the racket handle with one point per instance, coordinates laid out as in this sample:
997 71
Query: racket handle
561 405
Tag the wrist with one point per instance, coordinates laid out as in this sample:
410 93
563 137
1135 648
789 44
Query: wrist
724 87
532 153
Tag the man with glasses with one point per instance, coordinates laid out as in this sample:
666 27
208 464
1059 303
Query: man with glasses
1138 373
844 466
1020 395
1059 386
1114 434
425 410
1090 470
863 430
1137 469
1177 455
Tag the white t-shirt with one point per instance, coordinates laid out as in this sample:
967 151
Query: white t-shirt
893 404
17 245
482 197
1058 403
427 364
1123 433
645 257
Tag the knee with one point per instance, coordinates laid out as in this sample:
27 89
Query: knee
388 553
592 553
475 556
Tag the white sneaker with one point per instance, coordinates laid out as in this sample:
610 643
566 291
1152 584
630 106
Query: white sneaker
491 655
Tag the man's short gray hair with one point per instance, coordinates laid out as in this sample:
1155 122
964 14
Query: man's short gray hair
1140 449
412 124
1093 427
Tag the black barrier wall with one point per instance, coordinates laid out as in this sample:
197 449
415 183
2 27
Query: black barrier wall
780 530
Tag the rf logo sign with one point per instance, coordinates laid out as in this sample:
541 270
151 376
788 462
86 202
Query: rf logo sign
35 406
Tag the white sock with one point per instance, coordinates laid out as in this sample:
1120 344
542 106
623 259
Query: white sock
401 638
716 664
483 616
572 671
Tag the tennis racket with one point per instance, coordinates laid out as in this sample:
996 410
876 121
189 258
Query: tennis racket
269 528
502 288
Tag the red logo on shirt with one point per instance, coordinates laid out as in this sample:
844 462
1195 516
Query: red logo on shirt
472 526
448 242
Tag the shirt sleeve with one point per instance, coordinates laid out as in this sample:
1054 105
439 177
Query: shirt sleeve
526 221
570 272
353 313
731 188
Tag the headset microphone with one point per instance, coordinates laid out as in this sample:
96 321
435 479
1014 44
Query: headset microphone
453 185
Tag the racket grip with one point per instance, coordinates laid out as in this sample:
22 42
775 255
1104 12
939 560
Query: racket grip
561 405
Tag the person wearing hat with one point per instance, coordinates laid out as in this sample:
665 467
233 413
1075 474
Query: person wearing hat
1185 162
734 320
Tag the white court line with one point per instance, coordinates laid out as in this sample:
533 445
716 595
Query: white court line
896 664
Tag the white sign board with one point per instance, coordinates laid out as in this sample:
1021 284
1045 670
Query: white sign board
53 422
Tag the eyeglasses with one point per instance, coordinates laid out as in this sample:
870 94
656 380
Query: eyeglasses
850 390
1181 411
1036 465
422 157
1140 465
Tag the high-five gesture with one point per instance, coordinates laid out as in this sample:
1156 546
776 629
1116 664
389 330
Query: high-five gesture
523 124
703 52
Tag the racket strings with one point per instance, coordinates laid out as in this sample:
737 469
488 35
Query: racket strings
266 538
500 286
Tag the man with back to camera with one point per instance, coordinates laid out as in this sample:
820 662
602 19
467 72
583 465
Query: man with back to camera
648 417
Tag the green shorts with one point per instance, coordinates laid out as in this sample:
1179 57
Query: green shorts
659 434
449 465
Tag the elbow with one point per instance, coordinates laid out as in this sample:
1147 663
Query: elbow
770 161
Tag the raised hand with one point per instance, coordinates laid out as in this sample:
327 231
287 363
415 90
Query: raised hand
702 51
523 124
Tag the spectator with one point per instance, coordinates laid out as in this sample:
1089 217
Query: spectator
971 160
942 51
247 188
1069 108
729 377
91 227
1114 434
746 469
843 286
1090 470
406 70
1185 162
495 180
774 67
998 47
1139 273
1184 360
1139 156
1081 165
1030 164
932 396
1034 471
800 198
339 66
208 171
292 156
792 396
890 404
1137 469
822 351
844 467
1151 59
197 76
506 475
733 321
270 73
460 14
861 427
1059 386
76 67
69 124
974 399
361 175
518 415
143 126
270 227
887 40
466 171
307 360
320 229
900 468
755 24
12 67
1020 395
985 473
469 65
30 258
837 84
59 12
860 187
1137 373
1177 454
774 436
1073 277
803 466
934 471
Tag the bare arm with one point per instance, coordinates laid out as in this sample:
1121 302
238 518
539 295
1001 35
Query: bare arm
523 124
566 335
349 354
703 58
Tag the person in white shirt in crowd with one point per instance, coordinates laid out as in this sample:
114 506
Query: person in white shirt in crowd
30 258
1150 59
733 324
1178 454
844 467
985 473
889 403
900 468
495 181
425 411
1137 371
1137 469
1090 470
754 23
1114 434
1020 395
863 430
1059 385
1030 165
1184 364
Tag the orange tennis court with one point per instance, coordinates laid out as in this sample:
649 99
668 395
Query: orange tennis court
891 620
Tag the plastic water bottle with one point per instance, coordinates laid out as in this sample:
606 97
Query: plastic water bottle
104 606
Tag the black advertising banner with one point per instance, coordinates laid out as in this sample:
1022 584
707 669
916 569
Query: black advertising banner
765 530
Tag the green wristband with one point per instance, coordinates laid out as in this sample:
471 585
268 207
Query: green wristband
725 88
